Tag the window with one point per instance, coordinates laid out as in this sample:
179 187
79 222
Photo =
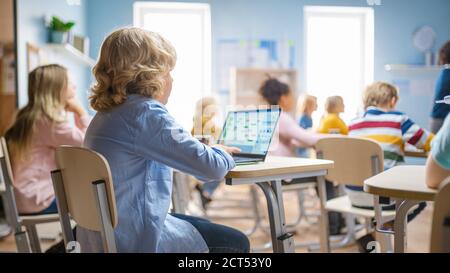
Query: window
188 27
339 54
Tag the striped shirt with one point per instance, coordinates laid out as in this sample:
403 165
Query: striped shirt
392 130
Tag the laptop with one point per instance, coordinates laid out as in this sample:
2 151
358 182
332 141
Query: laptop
251 131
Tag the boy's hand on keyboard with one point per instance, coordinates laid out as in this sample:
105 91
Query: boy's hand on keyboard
230 150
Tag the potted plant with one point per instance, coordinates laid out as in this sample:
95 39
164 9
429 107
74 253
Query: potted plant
59 30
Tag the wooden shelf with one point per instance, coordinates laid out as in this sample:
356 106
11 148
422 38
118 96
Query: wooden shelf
245 83
73 52
414 68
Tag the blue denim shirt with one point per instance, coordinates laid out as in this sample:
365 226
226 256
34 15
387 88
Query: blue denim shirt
142 143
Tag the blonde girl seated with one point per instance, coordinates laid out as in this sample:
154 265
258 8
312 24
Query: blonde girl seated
331 123
142 143
206 119
207 129
40 127
307 105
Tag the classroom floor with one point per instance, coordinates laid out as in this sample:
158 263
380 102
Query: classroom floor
234 201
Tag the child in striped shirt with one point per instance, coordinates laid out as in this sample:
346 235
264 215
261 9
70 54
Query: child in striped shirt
392 130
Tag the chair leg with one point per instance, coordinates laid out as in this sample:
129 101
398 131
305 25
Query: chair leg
22 243
324 225
256 212
34 239
351 229
324 237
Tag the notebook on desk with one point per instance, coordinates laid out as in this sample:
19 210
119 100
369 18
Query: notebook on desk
251 131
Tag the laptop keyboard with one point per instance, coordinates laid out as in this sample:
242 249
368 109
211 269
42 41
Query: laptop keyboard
240 159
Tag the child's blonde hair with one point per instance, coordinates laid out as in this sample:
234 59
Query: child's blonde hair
132 61
305 102
205 112
332 104
45 89
380 94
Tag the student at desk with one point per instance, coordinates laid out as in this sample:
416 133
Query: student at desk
438 164
206 123
307 105
292 136
331 122
40 127
392 129
142 143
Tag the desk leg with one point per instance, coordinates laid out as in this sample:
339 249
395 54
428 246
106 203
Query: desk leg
402 207
282 242
324 236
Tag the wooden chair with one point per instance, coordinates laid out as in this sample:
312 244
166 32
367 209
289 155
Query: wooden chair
355 160
85 193
440 232
26 240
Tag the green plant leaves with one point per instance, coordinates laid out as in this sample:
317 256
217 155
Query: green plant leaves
58 25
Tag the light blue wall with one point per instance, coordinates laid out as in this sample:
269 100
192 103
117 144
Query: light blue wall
31 28
395 21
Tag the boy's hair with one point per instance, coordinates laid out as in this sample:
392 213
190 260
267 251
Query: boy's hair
272 90
332 103
380 94
45 87
444 54
132 61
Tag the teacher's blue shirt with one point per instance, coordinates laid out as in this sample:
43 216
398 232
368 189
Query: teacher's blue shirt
440 111
142 143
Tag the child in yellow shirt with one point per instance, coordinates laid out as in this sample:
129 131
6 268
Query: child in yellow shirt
331 123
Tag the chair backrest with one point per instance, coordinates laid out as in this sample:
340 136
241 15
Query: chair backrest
6 169
2 176
6 186
81 168
355 159
440 231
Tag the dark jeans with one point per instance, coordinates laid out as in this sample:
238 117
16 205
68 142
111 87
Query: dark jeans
219 238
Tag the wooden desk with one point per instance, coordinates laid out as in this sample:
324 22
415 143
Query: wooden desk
268 176
407 185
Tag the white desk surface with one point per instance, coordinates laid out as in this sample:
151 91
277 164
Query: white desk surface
275 165
404 182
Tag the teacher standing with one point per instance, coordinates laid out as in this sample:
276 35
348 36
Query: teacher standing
440 111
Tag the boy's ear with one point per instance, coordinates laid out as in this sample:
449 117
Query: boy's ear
394 102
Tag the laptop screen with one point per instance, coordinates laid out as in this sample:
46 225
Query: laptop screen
250 130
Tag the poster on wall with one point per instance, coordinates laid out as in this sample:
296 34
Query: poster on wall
264 53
